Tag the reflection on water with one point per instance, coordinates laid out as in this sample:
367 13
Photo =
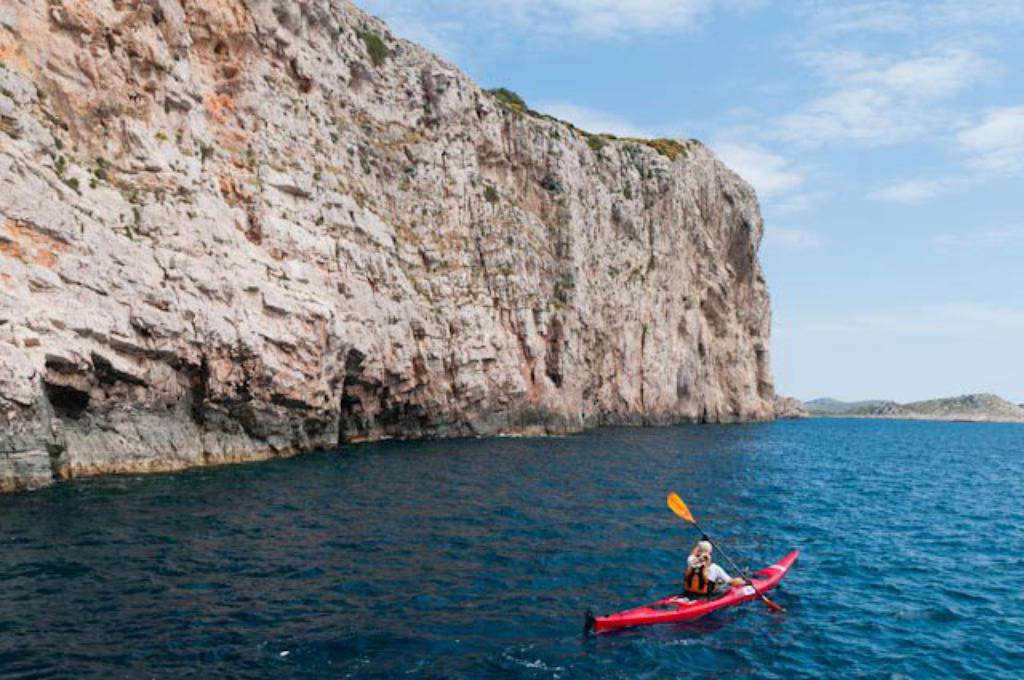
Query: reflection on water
471 558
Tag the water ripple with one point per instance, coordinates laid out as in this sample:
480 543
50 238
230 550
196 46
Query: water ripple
477 558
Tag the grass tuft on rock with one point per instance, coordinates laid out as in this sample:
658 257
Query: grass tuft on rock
375 47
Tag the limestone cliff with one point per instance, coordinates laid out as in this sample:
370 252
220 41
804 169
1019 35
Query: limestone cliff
238 229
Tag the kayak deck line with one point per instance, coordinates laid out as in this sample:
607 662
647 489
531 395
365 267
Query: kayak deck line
676 608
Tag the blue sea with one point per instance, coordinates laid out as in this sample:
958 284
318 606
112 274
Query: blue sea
478 558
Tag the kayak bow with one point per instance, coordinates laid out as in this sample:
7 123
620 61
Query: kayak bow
676 608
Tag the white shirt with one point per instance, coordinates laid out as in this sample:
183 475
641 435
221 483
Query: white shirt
715 573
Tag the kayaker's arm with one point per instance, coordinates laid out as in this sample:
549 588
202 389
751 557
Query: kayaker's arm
722 577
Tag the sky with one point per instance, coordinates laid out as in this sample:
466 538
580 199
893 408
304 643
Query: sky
885 139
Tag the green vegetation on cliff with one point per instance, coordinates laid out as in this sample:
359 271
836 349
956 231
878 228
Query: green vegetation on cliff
375 47
513 102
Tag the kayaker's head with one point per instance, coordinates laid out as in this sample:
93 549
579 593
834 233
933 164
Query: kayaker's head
702 551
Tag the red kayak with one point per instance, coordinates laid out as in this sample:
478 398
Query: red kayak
678 608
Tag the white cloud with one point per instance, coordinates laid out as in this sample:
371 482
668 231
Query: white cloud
593 120
997 143
620 18
980 11
608 17
928 77
628 18
580 18
793 240
769 173
950 319
911 191
858 115
932 75
876 101
798 203
910 17
878 16
999 238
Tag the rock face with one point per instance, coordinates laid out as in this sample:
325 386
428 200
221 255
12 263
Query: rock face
788 408
232 230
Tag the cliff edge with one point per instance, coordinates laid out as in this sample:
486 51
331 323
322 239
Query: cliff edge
234 230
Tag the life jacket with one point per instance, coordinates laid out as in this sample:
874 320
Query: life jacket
696 582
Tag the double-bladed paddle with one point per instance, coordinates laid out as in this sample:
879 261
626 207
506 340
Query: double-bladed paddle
676 504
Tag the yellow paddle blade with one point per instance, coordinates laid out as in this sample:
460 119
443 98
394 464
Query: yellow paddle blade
679 507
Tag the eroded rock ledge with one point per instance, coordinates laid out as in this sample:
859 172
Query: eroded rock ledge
232 230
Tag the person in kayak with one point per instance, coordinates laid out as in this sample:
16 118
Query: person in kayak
704 578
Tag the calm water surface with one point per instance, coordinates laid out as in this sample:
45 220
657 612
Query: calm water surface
478 558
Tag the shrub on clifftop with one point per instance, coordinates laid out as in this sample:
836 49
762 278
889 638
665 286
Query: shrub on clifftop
507 99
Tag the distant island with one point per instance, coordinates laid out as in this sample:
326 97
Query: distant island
970 407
